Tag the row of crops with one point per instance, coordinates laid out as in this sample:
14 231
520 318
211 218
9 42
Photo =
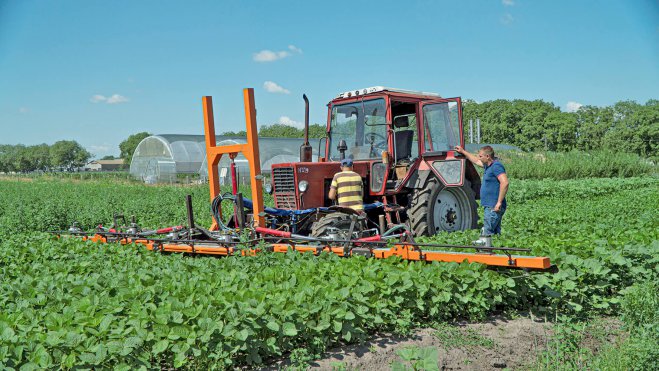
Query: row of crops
68 303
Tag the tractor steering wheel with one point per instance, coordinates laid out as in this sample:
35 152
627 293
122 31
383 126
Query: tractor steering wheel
381 144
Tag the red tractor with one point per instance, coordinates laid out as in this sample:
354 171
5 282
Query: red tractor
401 143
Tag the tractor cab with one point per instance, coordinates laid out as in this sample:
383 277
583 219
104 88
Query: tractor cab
382 127
402 144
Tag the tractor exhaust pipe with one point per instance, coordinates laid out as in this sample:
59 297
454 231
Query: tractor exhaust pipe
306 152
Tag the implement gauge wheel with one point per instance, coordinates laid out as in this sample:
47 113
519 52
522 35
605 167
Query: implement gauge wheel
435 208
331 223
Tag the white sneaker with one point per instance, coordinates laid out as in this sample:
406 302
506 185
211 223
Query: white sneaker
484 241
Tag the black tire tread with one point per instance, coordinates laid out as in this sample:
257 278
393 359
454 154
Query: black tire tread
319 228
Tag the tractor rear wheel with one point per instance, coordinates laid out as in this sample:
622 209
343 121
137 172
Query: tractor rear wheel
436 208
335 224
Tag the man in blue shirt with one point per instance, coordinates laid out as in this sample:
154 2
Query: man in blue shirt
493 187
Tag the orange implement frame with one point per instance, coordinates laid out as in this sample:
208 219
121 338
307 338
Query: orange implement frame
403 251
250 150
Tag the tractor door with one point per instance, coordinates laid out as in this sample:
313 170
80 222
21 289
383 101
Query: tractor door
441 131
442 125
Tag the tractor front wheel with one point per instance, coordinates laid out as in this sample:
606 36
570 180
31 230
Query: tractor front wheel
337 224
436 208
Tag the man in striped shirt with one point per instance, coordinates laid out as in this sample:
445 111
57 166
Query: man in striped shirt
347 186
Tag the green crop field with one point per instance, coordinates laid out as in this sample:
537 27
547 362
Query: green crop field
67 303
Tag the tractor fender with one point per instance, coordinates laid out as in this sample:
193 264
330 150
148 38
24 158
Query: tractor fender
419 178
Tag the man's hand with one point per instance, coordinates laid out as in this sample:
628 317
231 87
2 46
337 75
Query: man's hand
497 207
475 160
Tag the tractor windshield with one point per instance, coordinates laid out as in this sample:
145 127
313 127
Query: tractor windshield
363 126
442 127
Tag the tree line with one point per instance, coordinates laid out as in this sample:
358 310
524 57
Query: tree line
316 131
626 126
64 155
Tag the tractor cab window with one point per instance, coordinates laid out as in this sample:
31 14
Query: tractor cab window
442 127
406 145
362 125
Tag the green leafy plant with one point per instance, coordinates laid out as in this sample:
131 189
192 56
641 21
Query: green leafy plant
416 358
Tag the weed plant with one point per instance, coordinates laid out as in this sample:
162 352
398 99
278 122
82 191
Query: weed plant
575 165
634 347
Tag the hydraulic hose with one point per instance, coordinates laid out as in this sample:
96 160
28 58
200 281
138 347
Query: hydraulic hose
216 207
393 229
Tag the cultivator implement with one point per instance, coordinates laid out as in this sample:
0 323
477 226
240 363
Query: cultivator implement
261 240
255 229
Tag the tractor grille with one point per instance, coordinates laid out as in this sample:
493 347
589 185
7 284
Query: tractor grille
284 193
285 201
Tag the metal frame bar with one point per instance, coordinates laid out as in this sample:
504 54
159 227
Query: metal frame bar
402 250
249 150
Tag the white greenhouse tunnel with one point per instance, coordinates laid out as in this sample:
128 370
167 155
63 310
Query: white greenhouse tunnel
161 158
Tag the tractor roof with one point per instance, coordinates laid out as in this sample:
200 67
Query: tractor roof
377 89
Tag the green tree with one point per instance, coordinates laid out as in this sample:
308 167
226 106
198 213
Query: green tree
280 131
592 124
317 131
560 131
21 159
68 154
40 157
108 157
241 133
128 146
635 128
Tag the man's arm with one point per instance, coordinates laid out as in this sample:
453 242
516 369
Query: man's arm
332 191
503 189
474 160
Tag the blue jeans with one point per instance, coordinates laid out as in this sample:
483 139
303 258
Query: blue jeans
492 221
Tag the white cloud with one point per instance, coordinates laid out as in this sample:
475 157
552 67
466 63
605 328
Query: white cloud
573 106
285 120
272 87
23 110
97 98
116 98
507 19
508 2
295 49
271 56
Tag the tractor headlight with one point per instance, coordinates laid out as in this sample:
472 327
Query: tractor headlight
302 186
268 187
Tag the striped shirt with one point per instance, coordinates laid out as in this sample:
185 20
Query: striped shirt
348 186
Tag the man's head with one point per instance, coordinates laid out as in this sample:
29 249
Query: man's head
346 164
486 155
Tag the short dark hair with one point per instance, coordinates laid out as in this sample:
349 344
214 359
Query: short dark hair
487 150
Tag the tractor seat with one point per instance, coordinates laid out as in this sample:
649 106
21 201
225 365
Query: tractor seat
404 144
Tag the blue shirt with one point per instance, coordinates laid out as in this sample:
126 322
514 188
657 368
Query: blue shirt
490 185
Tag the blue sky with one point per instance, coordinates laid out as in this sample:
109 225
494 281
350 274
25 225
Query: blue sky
98 71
